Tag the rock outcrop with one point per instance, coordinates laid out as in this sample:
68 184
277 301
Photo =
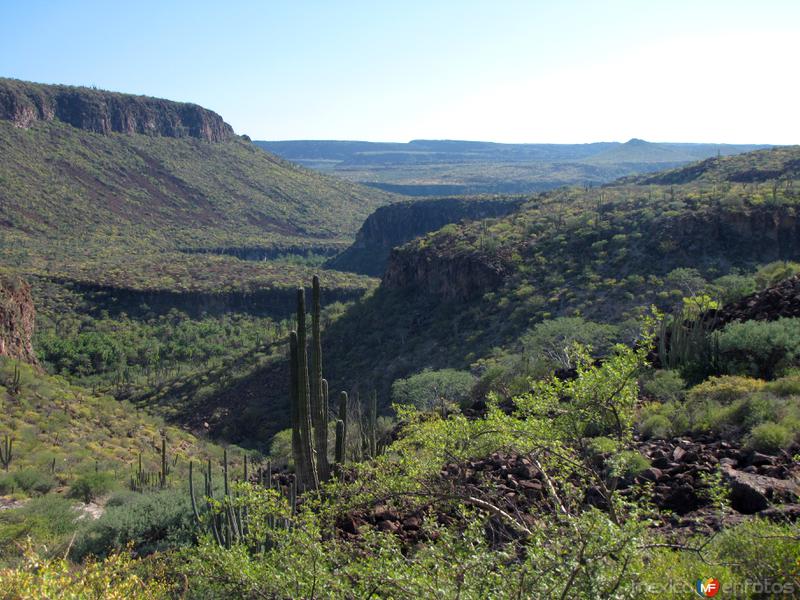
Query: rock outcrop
393 225
98 111
17 317
782 300
459 277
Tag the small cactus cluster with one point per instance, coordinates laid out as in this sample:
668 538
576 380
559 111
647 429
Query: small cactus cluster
149 480
309 400
6 452
226 519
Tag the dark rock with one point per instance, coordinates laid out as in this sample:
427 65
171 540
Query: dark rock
752 493
104 112
651 474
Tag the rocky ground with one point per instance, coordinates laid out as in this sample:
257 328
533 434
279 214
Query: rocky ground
680 483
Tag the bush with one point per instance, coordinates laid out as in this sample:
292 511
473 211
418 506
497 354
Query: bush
769 437
48 519
33 481
786 386
429 389
725 389
549 344
665 385
759 348
656 426
628 464
91 486
152 522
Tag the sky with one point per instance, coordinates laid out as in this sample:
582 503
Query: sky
567 71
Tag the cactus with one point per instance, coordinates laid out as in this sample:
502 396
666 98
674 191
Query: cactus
341 459
164 465
372 426
226 520
13 384
302 432
340 442
6 452
319 409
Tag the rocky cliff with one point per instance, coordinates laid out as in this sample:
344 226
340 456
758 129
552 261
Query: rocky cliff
16 319
98 111
393 225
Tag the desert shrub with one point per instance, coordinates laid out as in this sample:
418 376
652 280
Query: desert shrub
785 386
90 486
48 519
769 437
656 426
121 498
428 390
665 385
627 464
33 481
774 272
116 578
549 345
724 389
758 348
731 288
151 522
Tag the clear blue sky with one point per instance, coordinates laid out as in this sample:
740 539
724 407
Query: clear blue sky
535 71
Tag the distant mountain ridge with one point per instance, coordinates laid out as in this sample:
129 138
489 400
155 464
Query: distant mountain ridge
450 167
24 103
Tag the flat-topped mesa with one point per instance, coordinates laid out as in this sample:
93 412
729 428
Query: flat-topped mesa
99 111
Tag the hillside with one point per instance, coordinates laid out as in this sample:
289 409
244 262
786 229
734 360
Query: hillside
462 297
780 164
400 222
448 167
91 180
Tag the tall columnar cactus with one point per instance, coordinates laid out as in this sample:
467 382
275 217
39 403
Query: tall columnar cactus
341 440
372 428
305 458
164 465
343 418
319 412
6 450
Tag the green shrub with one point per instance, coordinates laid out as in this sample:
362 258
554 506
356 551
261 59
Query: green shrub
769 437
725 389
152 522
33 481
7 483
785 386
428 390
91 486
656 426
758 348
628 464
48 519
665 385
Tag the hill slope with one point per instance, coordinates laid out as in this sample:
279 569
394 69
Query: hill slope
463 296
89 179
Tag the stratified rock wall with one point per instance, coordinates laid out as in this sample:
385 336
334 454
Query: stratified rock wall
105 112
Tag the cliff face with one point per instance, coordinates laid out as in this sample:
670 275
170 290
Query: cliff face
459 276
103 112
16 320
393 225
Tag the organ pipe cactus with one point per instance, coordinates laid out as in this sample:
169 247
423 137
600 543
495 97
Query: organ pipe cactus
6 450
319 409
